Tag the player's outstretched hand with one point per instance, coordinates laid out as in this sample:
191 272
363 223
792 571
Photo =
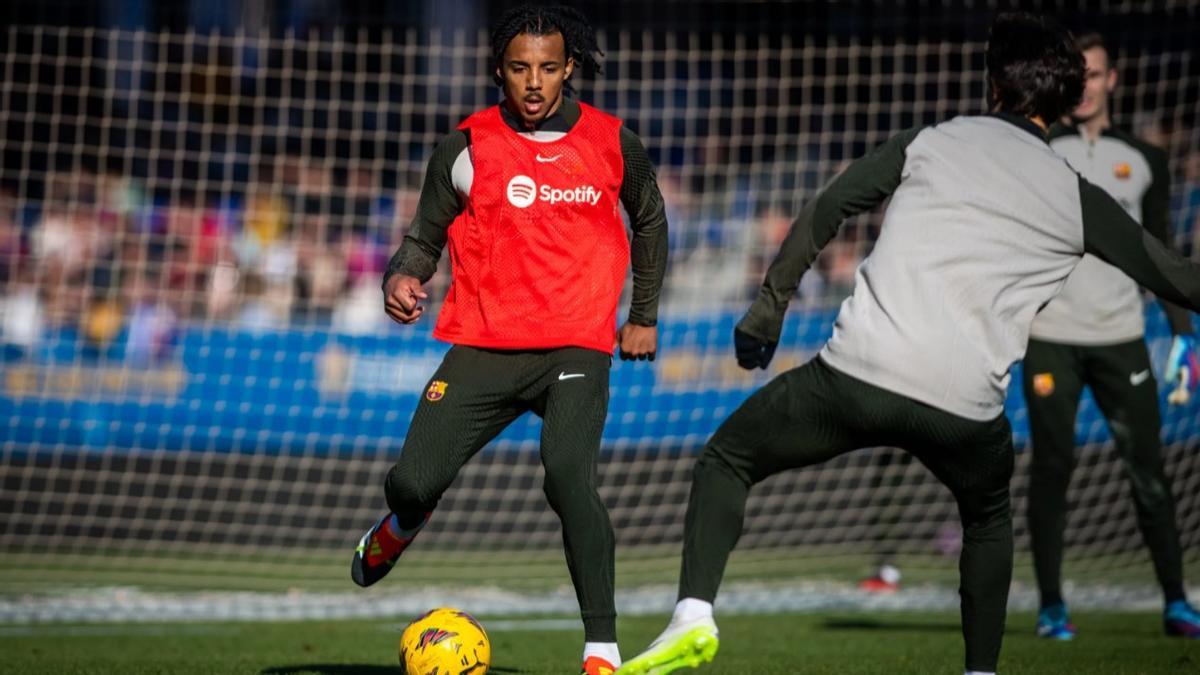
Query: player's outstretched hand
1183 369
637 343
752 352
402 299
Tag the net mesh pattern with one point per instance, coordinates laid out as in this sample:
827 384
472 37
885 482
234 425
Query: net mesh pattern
198 380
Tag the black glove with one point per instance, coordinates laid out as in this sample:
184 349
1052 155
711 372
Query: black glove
752 352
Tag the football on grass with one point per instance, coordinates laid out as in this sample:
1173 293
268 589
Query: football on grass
443 641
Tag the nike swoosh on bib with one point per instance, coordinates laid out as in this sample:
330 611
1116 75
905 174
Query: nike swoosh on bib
1137 378
546 159
565 376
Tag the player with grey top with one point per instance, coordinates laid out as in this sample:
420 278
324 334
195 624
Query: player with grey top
1092 334
984 225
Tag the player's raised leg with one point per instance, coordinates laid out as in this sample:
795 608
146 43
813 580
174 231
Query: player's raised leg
798 419
795 420
468 401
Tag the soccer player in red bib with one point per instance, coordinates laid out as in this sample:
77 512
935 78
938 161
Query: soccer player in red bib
527 196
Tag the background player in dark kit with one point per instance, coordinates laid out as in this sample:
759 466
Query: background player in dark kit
1093 334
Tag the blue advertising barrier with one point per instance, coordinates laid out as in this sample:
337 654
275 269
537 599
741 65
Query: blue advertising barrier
316 391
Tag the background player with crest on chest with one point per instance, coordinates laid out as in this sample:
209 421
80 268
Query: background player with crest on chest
1093 333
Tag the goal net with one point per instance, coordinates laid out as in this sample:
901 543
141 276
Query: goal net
199 389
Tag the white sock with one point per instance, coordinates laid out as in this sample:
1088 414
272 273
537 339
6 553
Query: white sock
979 672
605 650
690 609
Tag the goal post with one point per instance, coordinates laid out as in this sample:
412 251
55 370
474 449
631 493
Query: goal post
199 389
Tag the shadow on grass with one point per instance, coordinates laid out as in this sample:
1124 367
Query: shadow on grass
330 669
888 626
352 669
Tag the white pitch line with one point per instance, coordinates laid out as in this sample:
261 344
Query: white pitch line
121 605
119 630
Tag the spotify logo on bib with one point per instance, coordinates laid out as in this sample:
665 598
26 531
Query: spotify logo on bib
522 191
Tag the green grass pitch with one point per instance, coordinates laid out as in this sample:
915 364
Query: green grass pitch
842 643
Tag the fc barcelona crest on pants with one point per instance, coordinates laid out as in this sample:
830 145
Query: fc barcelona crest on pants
437 389
1043 384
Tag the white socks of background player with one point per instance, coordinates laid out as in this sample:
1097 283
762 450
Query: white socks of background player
605 650
978 672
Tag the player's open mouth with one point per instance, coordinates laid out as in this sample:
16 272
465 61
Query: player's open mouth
534 105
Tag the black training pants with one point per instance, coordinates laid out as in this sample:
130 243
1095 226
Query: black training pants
472 397
1123 383
814 413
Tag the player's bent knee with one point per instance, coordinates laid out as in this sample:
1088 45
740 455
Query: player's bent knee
406 492
715 458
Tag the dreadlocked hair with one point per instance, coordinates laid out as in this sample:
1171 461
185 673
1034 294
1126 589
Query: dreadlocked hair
579 36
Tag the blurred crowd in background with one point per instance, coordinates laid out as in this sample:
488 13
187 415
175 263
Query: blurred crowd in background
307 245
129 230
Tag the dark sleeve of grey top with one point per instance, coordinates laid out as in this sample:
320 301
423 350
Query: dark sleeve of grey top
648 220
1156 218
437 207
863 185
1109 233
